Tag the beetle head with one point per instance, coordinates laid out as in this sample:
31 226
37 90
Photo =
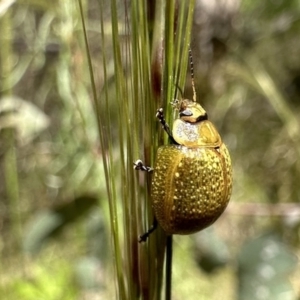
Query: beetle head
190 111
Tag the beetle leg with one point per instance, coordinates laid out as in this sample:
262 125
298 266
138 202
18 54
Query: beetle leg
160 116
139 165
144 236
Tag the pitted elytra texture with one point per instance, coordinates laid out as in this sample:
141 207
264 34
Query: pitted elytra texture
191 187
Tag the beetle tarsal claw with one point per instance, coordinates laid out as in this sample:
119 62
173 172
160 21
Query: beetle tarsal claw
143 238
160 114
139 165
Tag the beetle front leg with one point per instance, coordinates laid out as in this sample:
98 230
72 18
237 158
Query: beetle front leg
160 116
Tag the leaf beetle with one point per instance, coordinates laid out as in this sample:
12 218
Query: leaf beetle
192 178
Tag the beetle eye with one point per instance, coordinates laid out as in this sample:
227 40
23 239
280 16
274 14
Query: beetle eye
202 118
185 113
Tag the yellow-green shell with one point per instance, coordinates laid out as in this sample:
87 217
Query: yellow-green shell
191 187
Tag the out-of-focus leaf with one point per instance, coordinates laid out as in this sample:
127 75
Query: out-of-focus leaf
263 266
211 252
5 5
90 273
49 223
25 117
49 282
90 270
97 239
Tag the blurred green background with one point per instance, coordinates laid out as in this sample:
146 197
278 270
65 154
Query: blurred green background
54 219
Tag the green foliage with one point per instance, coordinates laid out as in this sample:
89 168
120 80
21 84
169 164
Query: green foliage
50 223
263 268
211 252
71 125
49 282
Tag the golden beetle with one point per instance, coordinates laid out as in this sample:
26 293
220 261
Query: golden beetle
192 178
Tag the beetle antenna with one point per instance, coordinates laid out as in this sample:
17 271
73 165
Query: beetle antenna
192 74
